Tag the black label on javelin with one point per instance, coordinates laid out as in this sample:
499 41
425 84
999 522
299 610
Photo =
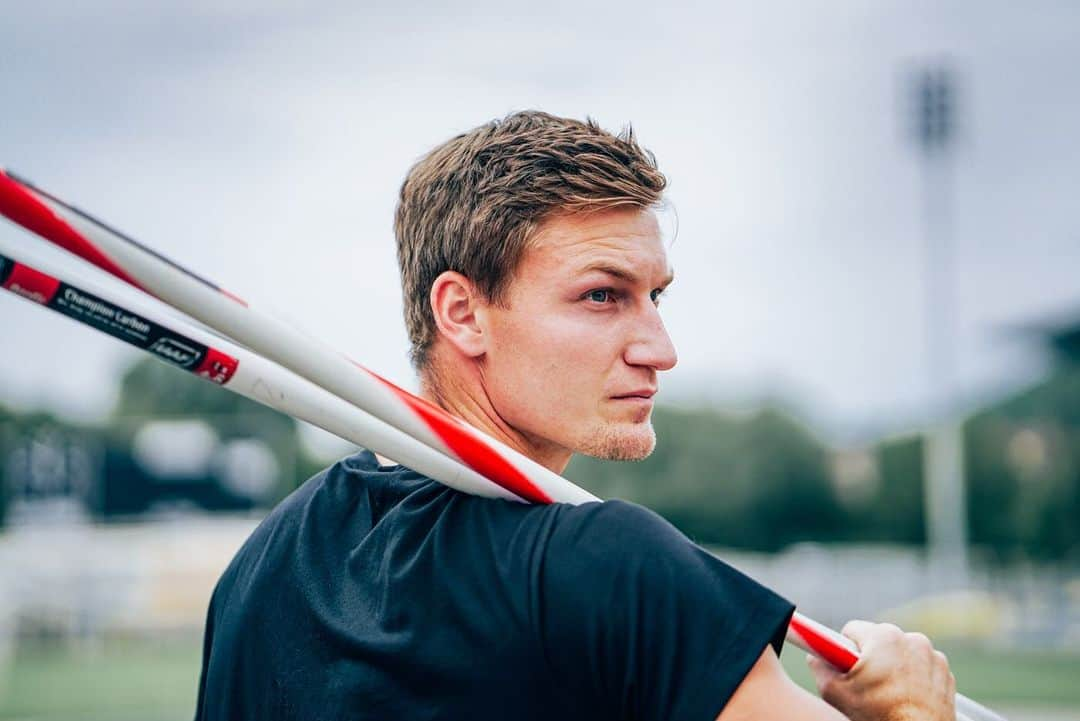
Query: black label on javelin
5 269
128 327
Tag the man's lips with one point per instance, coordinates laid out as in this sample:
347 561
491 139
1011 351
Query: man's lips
644 394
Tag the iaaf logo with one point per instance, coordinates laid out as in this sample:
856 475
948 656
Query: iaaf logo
179 353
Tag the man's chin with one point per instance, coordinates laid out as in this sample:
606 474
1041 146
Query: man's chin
621 444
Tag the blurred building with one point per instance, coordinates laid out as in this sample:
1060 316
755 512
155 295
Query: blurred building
56 472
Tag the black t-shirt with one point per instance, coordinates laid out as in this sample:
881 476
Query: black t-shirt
374 592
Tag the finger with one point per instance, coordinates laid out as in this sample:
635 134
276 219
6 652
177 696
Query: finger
883 637
919 641
879 648
858 631
821 669
823 672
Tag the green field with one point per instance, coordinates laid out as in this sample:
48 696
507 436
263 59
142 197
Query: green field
120 681
129 681
1008 678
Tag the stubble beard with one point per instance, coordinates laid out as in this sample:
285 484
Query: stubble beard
616 442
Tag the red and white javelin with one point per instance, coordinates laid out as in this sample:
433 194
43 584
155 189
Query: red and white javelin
225 312
419 422
146 326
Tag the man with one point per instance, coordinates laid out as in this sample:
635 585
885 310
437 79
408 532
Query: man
532 267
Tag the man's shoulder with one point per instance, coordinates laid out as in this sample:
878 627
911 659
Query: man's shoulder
354 488
615 540
623 545
617 524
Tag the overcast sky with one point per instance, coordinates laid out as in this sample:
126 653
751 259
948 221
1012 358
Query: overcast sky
263 144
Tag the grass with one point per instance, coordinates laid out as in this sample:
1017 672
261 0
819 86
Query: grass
1009 677
156 681
148 681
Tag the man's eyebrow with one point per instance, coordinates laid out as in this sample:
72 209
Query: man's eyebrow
623 273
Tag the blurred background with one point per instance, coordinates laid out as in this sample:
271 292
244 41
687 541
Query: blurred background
877 243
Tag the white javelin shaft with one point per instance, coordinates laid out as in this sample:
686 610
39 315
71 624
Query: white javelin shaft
253 377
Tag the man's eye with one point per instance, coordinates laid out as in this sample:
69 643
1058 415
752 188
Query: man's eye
602 295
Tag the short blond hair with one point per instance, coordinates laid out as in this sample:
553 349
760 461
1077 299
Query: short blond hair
471 204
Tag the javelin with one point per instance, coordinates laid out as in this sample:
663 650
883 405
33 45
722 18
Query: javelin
417 423
182 344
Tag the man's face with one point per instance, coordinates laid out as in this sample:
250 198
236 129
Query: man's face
575 348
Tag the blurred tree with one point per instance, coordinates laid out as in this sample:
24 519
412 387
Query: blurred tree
759 482
43 456
1024 471
895 513
152 388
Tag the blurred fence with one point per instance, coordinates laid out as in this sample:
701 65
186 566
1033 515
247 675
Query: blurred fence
78 583
1020 605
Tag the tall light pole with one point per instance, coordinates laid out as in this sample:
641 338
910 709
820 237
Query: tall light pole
943 451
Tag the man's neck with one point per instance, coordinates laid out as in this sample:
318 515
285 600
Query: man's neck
463 396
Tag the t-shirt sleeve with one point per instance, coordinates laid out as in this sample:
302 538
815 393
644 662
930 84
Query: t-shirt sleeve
637 622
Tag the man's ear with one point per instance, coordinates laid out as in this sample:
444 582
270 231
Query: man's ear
454 303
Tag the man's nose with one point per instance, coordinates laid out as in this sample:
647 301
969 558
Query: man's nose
651 345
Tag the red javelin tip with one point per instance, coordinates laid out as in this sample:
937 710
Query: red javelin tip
21 205
27 208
